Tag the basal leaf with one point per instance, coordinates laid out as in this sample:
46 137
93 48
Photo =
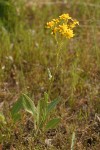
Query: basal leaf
17 106
16 117
29 105
41 112
52 123
52 105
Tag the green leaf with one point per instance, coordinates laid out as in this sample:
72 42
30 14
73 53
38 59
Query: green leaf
42 110
17 106
52 123
29 105
52 105
41 113
16 117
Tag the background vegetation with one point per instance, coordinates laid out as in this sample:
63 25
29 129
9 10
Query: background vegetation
27 51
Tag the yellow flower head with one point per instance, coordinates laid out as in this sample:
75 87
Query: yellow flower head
73 24
54 30
65 17
63 28
65 31
63 25
56 20
50 24
76 22
69 34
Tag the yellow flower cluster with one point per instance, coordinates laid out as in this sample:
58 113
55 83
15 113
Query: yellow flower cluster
63 25
65 16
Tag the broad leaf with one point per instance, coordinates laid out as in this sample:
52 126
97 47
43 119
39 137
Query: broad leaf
52 105
41 112
52 123
29 105
17 106
16 117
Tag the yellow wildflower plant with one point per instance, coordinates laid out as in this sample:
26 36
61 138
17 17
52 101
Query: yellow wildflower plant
63 25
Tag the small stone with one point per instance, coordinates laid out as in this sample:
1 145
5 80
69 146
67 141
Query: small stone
48 142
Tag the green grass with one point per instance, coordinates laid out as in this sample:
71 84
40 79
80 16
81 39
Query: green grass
27 50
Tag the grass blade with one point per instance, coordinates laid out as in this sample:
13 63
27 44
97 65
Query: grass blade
73 141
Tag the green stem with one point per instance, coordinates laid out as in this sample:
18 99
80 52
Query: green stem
59 47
